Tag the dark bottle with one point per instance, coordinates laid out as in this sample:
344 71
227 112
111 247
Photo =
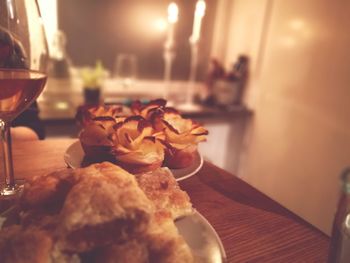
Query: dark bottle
339 250
239 76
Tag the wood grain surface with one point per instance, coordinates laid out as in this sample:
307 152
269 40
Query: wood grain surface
252 227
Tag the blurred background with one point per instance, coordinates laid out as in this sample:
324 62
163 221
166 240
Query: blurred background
100 30
275 99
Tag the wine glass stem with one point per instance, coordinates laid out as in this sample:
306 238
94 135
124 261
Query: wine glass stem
7 154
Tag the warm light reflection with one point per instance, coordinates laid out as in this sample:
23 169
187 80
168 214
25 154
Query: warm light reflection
173 13
288 41
10 9
296 24
62 105
301 28
347 223
160 25
299 32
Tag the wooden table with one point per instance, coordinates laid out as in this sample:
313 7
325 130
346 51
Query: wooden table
252 227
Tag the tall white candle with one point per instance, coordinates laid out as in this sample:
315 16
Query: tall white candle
197 22
173 13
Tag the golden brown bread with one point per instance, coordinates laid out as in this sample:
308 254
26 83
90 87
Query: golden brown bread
162 189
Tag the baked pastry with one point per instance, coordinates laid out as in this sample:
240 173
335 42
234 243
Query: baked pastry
105 206
165 243
163 190
134 250
95 142
96 124
73 204
88 113
95 138
29 245
98 214
153 136
134 147
181 137
129 143
161 243
48 192
146 110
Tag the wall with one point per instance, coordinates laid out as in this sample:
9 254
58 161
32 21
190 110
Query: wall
228 134
299 141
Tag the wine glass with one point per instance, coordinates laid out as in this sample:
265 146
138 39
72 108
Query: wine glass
126 69
23 60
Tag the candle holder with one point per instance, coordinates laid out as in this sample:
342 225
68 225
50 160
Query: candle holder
194 40
189 104
169 51
193 70
169 56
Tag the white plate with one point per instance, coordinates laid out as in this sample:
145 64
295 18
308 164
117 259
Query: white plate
74 157
201 237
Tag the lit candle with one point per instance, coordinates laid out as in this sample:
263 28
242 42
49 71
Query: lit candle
173 13
197 22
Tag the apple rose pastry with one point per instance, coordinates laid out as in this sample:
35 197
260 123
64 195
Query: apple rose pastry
87 114
181 137
134 147
146 110
95 138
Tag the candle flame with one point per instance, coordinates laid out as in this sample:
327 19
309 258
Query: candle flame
200 8
173 12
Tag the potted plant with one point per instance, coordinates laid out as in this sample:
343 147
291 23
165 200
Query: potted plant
92 83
